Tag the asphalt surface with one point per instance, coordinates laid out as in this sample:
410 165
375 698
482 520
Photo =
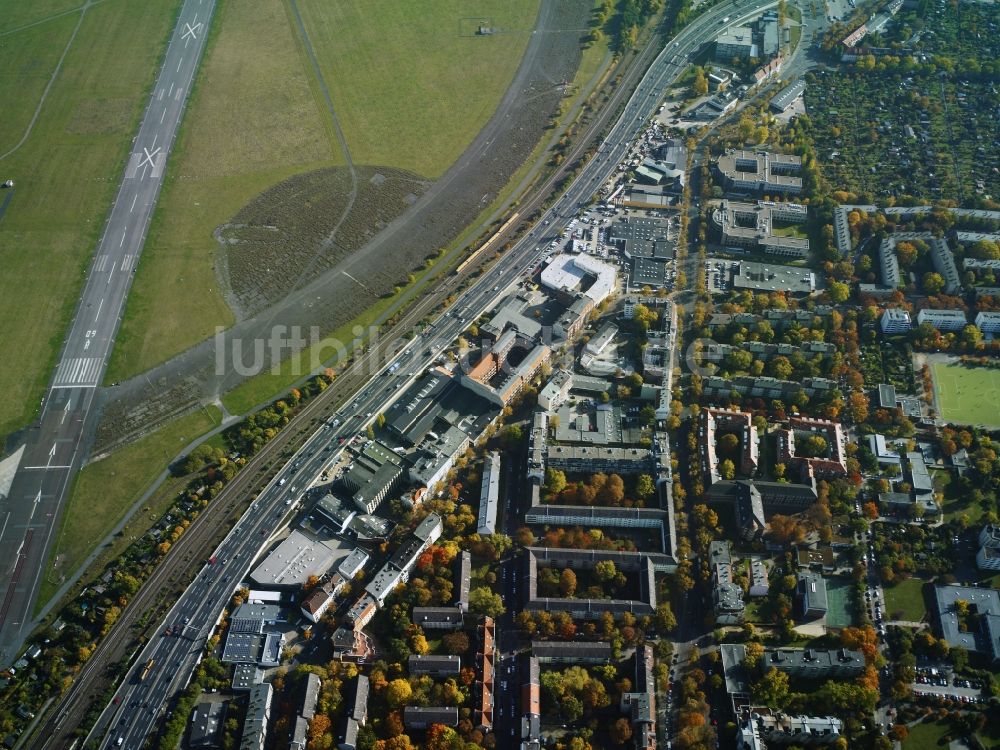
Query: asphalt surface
56 444
137 704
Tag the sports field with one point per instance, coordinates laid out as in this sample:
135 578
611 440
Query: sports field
967 395
411 85
67 170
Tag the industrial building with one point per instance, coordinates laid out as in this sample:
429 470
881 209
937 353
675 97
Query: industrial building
295 559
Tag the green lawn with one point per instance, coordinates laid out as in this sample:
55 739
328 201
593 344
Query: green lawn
926 736
67 171
104 491
956 502
967 395
412 82
409 89
253 121
15 14
906 597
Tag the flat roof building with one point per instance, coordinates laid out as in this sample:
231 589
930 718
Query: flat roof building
766 277
973 625
292 562
751 226
353 564
943 320
812 595
205 723
760 171
376 471
570 273
895 321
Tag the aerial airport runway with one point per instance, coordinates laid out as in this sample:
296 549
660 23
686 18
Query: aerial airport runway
139 703
56 444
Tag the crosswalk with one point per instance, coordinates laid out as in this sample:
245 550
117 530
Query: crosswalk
77 372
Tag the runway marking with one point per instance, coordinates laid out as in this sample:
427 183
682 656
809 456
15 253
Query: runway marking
99 309
127 262
179 93
102 263
179 65
148 158
159 97
69 405
190 32
162 115
171 92
124 232
78 372
134 199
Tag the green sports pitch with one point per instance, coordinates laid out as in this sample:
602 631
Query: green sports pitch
967 395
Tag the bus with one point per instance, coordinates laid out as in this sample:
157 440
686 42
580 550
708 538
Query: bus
145 670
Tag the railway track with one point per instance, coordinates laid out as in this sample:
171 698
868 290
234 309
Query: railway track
141 618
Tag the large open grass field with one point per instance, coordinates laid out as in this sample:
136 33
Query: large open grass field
67 170
104 491
967 395
926 736
252 121
411 85
412 82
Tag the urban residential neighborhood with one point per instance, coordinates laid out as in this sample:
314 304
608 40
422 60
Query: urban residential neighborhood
488 375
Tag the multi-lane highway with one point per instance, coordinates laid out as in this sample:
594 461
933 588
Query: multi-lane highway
137 703
56 445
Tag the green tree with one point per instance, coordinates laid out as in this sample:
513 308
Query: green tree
605 571
727 469
482 601
620 731
699 86
771 689
645 488
839 292
555 480
932 283
567 582
398 692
